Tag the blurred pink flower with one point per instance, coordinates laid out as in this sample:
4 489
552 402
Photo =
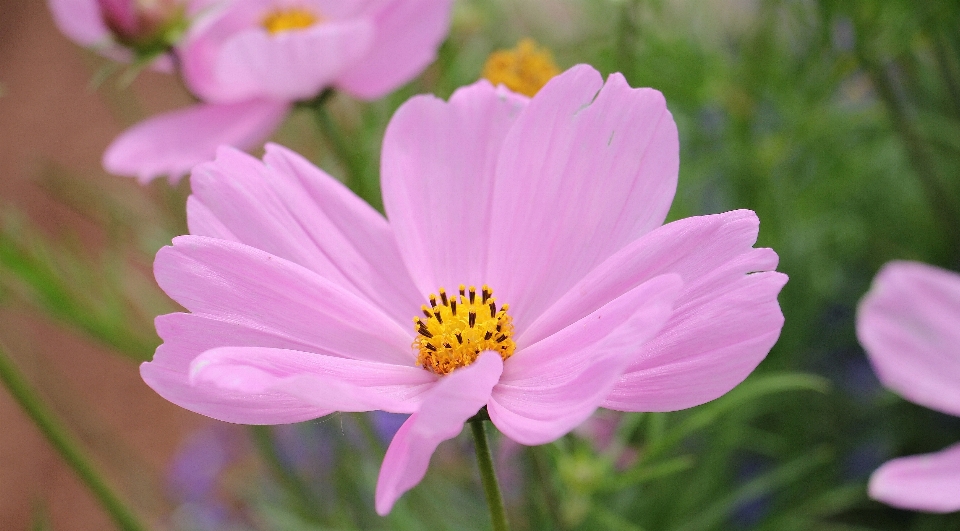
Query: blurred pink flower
251 60
909 324
124 29
303 300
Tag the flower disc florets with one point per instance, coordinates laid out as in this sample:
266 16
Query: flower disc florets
297 18
455 330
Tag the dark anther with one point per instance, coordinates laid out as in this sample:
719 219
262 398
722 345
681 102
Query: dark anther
486 295
427 312
493 310
433 300
437 315
453 307
473 318
431 347
498 327
473 294
459 339
463 292
501 338
424 332
448 345
488 335
443 297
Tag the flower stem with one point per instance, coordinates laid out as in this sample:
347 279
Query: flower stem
344 148
69 450
488 476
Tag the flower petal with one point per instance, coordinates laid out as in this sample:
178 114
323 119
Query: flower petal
725 322
328 382
173 143
407 34
908 324
710 345
695 248
234 282
451 402
289 208
292 65
549 388
185 336
81 20
610 157
438 164
929 482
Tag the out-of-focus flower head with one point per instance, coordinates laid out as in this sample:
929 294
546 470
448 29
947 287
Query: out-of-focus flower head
195 473
544 217
250 61
524 69
141 30
909 325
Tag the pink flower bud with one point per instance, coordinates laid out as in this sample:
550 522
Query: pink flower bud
142 23
147 28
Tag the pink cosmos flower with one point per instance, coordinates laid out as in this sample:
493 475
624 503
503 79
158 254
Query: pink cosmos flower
121 29
909 324
543 217
251 60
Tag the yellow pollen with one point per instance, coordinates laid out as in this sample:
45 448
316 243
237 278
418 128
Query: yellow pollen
291 19
456 329
524 69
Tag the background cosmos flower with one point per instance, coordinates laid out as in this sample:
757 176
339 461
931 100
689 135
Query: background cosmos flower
909 324
249 61
300 296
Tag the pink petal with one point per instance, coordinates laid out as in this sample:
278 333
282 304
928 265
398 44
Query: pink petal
610 157
695 248
407 34
549 388
451 402
173 143
293 65
328 382
726 319
81 21
185 336
909 324
438 166
203 222
289 208
200 49
233 282
929 482
708 347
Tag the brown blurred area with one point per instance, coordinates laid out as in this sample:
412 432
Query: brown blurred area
50 117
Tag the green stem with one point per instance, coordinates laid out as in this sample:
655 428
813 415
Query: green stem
342 146
68 448
944 208
488 476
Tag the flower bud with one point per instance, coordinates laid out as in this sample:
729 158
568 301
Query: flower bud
146 26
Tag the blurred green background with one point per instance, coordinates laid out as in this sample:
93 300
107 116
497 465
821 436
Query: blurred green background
837 121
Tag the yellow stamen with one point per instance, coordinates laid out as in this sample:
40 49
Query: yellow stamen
296 18
456 329
524 69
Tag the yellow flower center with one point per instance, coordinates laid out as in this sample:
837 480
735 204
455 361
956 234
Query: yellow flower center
295 18
455 330
524 69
